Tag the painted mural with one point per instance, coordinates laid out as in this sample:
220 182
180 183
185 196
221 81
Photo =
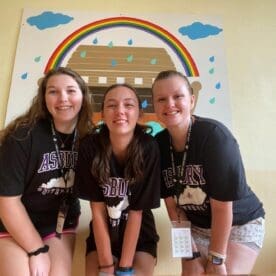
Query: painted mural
106 49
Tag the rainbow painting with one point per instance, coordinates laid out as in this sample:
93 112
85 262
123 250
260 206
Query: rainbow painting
74 38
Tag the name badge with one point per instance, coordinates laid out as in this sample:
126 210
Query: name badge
181 239
61 218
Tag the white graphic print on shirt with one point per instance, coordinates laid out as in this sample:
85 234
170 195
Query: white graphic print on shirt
116 195
57 185
193 196
49 162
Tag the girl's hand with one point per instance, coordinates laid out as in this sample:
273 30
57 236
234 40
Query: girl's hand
192 267
216 269
40 265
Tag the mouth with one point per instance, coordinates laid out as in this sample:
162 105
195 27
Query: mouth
63 108
171 113
119 121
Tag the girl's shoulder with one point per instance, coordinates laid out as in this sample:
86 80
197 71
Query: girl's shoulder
89 139
24 132
209 124
162 136
147 139
150 145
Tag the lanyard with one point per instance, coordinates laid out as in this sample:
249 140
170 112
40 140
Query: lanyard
60 163
178 177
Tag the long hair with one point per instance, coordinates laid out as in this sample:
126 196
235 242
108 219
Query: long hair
134 168
38 109
172 73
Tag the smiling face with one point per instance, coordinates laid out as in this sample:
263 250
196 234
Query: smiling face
173 101
63 98
121 111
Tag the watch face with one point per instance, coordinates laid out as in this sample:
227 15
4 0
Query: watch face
216 260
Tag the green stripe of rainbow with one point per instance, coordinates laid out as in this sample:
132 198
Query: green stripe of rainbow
64 47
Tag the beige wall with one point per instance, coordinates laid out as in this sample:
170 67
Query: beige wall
250 41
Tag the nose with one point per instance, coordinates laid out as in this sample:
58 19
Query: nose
169 102
120 109
63 96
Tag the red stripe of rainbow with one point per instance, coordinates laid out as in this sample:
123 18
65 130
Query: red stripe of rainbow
63 48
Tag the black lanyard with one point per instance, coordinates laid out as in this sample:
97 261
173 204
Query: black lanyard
60 163
178 178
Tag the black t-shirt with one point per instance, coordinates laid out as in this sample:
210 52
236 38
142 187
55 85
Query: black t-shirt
214 169
117 194
29 167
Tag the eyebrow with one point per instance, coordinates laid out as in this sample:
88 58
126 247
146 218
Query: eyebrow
69 86
126 99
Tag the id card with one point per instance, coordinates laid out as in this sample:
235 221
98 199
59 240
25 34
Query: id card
61 218
181 239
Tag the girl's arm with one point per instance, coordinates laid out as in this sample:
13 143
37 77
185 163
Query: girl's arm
101 233
130 238
174 213
222 217
17 222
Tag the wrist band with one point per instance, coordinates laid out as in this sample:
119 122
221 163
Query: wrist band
196 254
125 268
43 249
106 266
124 271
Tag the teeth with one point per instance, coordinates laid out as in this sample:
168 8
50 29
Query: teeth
63 107
120 121
172 113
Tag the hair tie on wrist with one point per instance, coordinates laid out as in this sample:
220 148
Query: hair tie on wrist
196 254
43 249
106 266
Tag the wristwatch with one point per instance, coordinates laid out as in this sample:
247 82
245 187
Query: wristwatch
215 259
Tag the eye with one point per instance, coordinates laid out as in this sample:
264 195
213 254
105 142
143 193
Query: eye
161 100
111 105
51 91
71 91
129 105
178 96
